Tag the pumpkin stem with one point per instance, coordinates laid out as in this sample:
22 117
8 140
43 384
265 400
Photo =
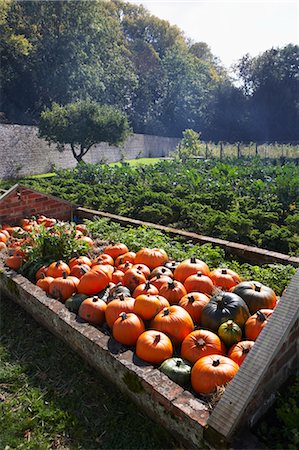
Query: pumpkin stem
216 362
200 342
58 263
261 316
199 274
42 276
157 338
257 288
224 271
193 260
178 363
64 275
147 285
123 316
230 324
191 299
121 297
245 350
95 299
171 285
166 312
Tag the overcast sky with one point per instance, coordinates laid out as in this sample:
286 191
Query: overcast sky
232 28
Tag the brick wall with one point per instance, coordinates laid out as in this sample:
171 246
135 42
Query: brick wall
22 202
23 153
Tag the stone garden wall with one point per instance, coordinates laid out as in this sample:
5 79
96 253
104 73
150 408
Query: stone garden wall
22 152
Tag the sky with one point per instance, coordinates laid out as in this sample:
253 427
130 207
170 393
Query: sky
232 28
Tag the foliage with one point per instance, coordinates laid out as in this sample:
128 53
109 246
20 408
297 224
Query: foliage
241 200
277 276
55 243
189 146
83 124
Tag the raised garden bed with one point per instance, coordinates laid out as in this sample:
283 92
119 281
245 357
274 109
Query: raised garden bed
190 417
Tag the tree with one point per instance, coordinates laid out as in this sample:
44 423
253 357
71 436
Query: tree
189 145
83 124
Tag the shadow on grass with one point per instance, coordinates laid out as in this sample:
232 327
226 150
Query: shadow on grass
50 398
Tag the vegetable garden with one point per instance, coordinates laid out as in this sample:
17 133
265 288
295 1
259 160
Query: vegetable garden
151 284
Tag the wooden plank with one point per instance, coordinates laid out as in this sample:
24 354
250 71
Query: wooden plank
230 410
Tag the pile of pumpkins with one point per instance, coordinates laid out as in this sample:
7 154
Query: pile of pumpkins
208 319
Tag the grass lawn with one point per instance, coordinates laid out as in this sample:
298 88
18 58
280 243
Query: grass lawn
50 398
138 161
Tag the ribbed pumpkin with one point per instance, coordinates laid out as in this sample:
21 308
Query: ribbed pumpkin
117 276
63 287
106 268
14 262
178 370
193 303
151 257
200 343
93 282
256 295
57 269
145 288
225 278
173 321
222 307
44 283
127 328
230 333
132 278
93 310
117 291
80 260
256 323
116 250
211 372
125 266
41 272
126 257
239 351
154 347
104 258
190 267
143 268
148 306
79 270
116 306
161 270
173 291
199 283
158 280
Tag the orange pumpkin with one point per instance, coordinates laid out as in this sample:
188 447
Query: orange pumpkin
256 323
3 237
159 280
80 260
225 278
93 282
127 328
132 278
116 306
104 258
211 372
200 343
14 262
147 306
116 250
93 310
63 287
57 269
154 347
44 283
143 268
2 246
161 270
117 276
199 283
125 266
239 351
173 291
42 271
173 321
190 267
126 257
193 303
151 257
145 288
79 270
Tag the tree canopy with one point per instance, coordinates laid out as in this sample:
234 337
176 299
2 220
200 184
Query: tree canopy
117 53
83 124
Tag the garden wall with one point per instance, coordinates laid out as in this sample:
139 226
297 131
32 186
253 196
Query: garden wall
24 153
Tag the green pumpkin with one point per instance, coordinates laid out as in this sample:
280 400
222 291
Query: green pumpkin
222 307
74 302
230 333
178 370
